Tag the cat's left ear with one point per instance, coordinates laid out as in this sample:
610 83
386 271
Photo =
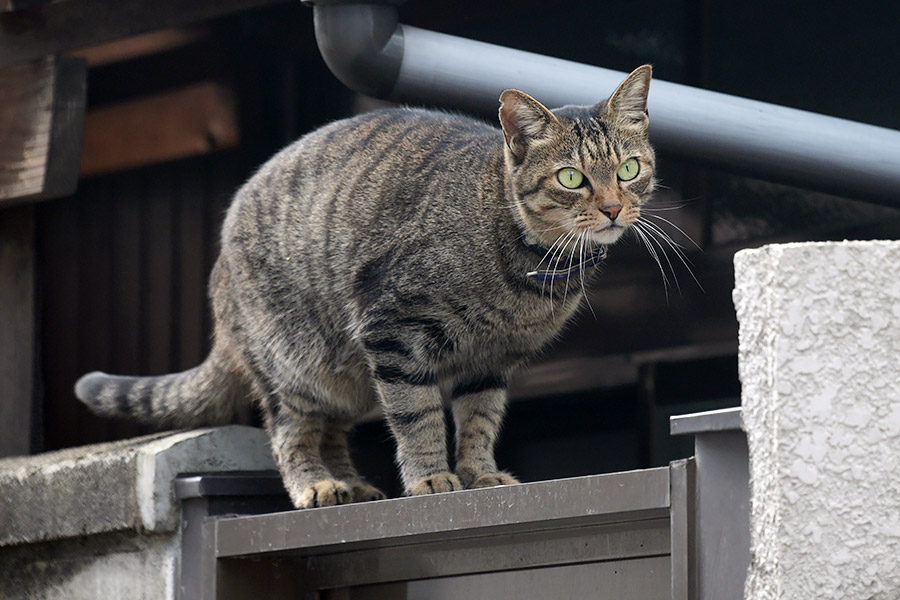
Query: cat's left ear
524 121
628 104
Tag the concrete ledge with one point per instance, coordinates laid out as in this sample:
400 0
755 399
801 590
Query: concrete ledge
121 566
820 370
119 486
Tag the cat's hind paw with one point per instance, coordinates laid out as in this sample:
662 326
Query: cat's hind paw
435 484
327 492
493 480
363 492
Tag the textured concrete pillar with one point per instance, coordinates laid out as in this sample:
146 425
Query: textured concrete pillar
102 521
820 369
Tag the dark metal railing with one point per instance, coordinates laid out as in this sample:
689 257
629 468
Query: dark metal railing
367 49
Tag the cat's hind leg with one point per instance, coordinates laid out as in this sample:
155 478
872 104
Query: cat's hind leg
336 455
296 428
478 413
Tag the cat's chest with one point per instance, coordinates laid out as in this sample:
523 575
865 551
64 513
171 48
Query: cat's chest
520 332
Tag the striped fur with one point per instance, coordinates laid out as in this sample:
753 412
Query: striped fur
380 259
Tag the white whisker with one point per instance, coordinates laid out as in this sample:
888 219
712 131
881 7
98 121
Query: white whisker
662 208
554 266
571 261
652 232
540 262
584 238
643 237
552 251
680 230
652 227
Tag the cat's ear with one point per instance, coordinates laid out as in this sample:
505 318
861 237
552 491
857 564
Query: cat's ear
524 121
628 104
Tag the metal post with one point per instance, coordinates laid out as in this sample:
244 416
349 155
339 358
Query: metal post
722 526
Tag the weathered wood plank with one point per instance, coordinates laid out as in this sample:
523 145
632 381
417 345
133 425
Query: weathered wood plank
186 122
59 26
17 330
141 45
41 119
10 5
26 115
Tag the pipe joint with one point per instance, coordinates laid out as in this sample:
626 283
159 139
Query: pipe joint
362 44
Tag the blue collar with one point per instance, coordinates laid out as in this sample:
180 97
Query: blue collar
561 267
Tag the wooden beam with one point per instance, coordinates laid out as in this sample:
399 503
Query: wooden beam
141 45
41 119
17 331
188 122
56 27
10 5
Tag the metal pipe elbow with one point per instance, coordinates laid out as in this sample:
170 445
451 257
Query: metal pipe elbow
362 44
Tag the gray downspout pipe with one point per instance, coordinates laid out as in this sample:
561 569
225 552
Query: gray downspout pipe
370 52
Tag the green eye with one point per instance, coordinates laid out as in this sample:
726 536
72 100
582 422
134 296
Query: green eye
570 178
629 170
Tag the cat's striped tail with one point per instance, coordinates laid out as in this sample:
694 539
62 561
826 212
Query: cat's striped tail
204 395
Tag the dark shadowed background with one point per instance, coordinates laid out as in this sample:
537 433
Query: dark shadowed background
121 266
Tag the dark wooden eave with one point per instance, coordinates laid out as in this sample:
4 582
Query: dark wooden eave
31 30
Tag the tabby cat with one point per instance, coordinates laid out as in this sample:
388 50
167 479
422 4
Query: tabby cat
401 257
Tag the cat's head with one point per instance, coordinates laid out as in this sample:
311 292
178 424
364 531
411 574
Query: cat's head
580 170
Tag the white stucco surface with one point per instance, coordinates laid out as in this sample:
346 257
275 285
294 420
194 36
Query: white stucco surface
820 370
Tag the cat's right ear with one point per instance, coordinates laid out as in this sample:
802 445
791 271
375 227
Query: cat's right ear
524 121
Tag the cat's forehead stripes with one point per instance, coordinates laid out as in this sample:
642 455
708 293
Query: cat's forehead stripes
589 141
590 146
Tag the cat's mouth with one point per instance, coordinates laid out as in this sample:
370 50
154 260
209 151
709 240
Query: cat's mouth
608 234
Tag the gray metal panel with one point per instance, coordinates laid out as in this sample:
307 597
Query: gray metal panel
229 484
722 517
639 579
723 514
726 419
544 505
488 553
197 572
683 538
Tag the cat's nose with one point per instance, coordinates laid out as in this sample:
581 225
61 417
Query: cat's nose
611 211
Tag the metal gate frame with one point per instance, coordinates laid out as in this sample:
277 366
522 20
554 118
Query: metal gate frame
298 554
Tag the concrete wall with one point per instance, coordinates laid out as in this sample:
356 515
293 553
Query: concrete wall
102 521
820 369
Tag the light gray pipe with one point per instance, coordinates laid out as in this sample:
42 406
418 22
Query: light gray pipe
369 51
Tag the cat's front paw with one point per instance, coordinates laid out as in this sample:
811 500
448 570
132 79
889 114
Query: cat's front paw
474 477
327 492
493 480
363 492
436 484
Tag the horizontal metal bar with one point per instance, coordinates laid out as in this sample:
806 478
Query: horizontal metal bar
594 500
229 483
725 419
763 140
492 554
370 52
